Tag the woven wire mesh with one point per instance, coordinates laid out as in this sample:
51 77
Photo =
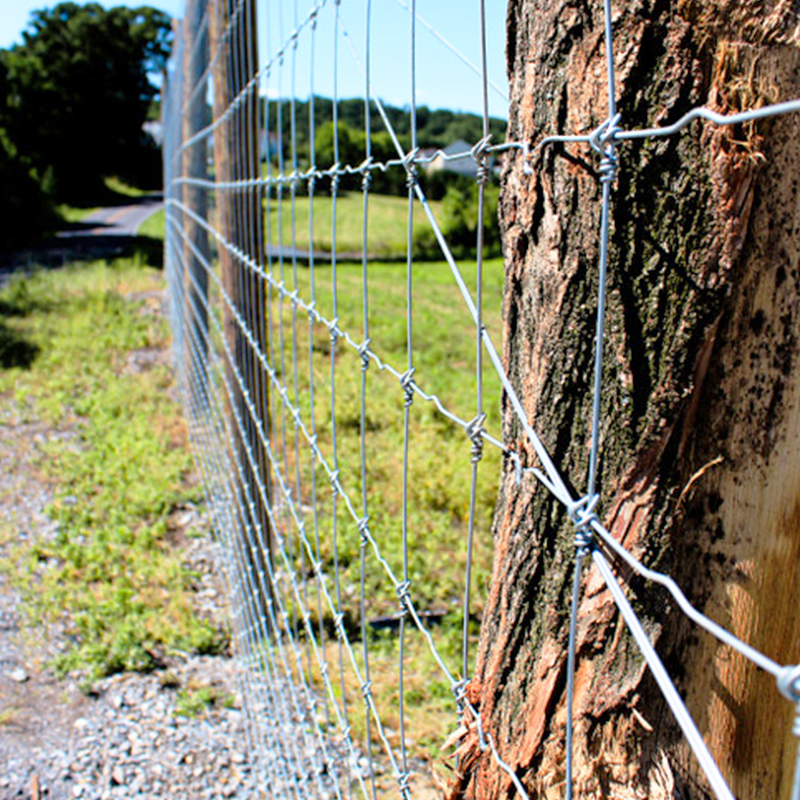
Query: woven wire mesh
321 405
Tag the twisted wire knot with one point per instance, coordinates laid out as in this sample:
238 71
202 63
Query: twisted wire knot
407 382
479 153
403 783
333 327
363 529
338 623
789 683
581 512
403 594
334 478
366 181
410 165
365 169
608 168
366 690
459 689
602 142
363 352
312 182
475 431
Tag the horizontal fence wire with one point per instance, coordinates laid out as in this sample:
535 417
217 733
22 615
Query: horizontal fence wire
293 366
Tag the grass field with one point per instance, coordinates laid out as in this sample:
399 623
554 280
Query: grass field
111 570
387 231
118 462
153 226
439 463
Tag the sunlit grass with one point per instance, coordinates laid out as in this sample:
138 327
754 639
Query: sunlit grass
153 226
110 575
387 227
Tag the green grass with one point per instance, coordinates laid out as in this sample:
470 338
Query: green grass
119 187
387 231
195 701
439 470
153 226
111 575
439 451
72 214
115 192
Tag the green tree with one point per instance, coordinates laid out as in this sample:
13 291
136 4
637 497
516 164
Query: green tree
78 92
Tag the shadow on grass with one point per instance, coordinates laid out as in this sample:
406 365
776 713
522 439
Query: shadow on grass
15 350
56 253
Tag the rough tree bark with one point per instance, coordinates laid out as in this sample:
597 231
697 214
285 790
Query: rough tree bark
700 474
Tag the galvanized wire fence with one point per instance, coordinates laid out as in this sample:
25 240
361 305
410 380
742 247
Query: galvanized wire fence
283 350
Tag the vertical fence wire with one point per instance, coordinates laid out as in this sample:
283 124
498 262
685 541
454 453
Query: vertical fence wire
289 494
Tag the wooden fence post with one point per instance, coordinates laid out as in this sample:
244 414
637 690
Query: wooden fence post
240 222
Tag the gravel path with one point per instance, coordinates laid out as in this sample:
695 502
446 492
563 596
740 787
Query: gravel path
129 738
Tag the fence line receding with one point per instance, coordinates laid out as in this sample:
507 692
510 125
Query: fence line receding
343 397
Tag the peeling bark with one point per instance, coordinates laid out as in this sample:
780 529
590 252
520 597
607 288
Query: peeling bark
699 473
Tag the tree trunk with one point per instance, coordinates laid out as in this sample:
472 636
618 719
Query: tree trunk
699 471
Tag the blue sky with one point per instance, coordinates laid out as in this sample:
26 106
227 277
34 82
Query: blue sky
443 81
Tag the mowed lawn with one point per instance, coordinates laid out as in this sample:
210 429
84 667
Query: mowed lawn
439 465
387 223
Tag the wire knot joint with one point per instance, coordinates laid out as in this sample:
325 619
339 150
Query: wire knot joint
602 142
363 352
403 593
334 478
363 529
459 689
582 514
789 686
475 431
407 383
480 153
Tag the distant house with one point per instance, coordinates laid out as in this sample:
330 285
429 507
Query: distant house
156 130
454 158
268 144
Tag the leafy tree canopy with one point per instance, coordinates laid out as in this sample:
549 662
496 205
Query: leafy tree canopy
77 92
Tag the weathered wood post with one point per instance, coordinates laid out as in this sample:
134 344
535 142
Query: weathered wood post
239 221
194 163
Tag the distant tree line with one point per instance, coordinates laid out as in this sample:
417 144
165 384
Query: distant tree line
436 128
74 95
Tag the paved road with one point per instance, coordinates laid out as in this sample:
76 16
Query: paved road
115 221
105 233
